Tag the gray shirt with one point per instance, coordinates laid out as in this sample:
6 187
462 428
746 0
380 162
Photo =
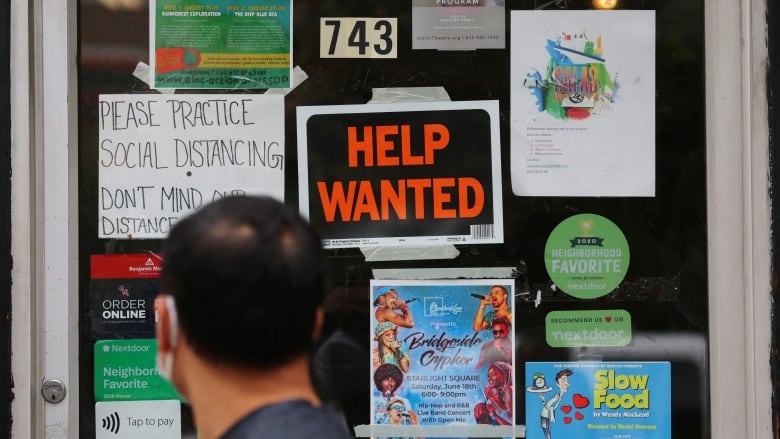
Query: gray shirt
290 420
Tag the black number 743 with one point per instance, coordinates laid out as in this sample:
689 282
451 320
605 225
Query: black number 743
360 42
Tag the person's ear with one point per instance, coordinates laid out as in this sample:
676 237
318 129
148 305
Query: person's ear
319 321
167 329
167 325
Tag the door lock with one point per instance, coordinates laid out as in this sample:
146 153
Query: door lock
53 391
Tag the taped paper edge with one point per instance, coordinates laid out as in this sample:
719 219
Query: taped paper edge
143 73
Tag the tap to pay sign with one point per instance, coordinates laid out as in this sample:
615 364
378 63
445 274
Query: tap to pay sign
138 419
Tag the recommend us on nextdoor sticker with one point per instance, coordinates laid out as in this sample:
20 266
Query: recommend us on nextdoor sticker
609 327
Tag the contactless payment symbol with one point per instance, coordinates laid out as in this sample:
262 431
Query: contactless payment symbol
112 423
587 256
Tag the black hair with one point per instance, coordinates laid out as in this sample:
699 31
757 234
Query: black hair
502 321
388 370
247 274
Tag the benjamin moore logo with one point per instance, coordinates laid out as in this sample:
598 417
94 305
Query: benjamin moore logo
111 423
148 267
435 307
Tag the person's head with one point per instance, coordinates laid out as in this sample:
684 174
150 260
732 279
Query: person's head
389 337
501 327
385 333
499 374
396 411
387 298
498 296
388 378
247 276
562 378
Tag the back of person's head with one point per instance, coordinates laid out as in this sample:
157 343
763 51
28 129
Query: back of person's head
247 275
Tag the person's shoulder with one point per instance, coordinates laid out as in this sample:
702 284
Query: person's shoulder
291 419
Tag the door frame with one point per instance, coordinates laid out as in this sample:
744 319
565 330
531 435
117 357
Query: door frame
738 219
44 238
5 220
44 243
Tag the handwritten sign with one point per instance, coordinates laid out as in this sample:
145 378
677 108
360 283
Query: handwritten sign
161 157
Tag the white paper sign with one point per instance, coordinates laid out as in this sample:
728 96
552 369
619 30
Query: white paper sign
138 419
160 157
583 103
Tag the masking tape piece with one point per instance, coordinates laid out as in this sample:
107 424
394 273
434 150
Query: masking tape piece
408 94
143 73
440 430
298 76
374 254
444 273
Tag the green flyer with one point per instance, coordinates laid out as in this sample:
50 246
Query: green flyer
586 256
218 44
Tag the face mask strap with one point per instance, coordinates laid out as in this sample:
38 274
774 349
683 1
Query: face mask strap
165 362
173 321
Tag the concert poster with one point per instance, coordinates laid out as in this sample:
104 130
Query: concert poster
443 352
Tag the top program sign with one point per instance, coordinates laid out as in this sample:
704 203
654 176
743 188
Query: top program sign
401 174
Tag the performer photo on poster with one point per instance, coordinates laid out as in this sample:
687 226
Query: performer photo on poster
443 352
598 400
582 103
401 174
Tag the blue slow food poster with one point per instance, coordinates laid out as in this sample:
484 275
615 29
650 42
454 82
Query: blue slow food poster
443 352
598 400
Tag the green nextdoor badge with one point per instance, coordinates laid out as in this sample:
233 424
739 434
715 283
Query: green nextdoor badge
586 256
588 328
125 370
